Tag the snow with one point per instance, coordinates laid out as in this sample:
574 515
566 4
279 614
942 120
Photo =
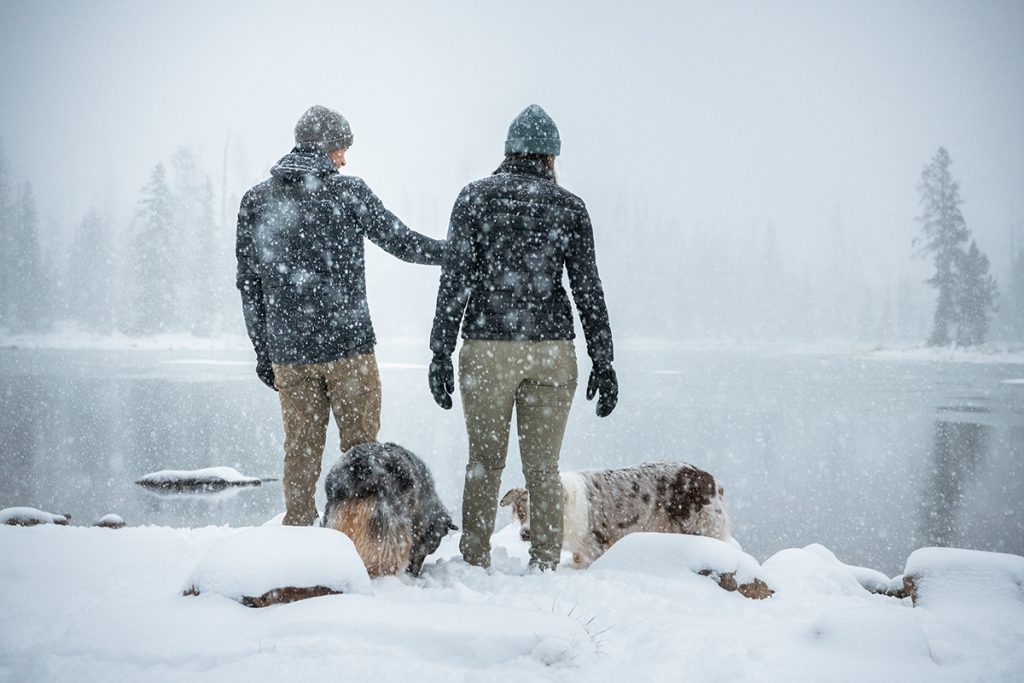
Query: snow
30 515
870 579
206 475
952 576
83 604
67 335
111 520
663 555
256 561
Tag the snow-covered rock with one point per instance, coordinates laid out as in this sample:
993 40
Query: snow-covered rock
271 564
810 571
871 579
110 522
26 516
209 479
939 577
665 555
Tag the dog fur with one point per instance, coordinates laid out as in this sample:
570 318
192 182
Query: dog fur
602 506
382 497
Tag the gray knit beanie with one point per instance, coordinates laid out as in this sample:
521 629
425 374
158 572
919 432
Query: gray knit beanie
533 132
323 127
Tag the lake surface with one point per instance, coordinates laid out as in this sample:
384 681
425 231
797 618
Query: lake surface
868 456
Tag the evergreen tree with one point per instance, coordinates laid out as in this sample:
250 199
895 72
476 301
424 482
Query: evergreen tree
90 271
975 297
966 291
204 265
152 260
7 216
27 284
192 196
1013 307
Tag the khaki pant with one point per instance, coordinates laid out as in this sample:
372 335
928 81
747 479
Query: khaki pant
348 387
538 378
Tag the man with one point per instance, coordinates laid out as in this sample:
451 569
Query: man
303 283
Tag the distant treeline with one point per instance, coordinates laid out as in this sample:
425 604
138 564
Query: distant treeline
170 268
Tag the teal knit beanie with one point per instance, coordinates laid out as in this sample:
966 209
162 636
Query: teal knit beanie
533 132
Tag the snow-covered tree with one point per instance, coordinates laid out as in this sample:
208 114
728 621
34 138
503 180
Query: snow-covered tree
152 261
195 252
7 219
1013 300
966 291
26 285
976 296
91 272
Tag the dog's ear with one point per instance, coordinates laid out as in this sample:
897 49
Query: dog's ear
511 497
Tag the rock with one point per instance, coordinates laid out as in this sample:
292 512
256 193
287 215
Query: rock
279 596
943 577
26 516
871 580
755 589
664 555
270 565
110 522
207 479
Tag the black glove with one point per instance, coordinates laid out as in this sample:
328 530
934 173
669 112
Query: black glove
602 379
442 380
265 371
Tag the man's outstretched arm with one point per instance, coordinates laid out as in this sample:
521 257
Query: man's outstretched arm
393 236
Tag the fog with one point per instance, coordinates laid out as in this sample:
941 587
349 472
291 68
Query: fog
750 168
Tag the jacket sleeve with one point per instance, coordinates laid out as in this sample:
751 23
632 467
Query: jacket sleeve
247 278
392 235
457 276
587 292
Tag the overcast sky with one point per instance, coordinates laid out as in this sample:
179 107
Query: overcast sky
723 116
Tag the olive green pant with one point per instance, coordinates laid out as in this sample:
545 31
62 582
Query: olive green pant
348 387
538 378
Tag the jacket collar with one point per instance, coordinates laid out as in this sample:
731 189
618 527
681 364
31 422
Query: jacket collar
525 166
302 162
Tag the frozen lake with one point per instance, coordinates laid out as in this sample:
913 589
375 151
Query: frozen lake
870 456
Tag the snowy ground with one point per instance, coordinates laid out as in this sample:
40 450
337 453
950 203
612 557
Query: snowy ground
68 336
85 604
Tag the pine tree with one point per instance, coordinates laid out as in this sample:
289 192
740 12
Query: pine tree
945 233
90 270
7 216
976 295
153 260
204 266
966 290
27 284
192 197
1013 307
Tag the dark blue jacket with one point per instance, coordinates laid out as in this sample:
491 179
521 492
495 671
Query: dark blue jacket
511 237
300 259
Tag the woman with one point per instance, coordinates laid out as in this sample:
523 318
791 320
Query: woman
510 237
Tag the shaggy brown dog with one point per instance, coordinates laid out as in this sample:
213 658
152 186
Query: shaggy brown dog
382 497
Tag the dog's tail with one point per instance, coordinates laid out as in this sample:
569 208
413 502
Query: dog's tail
382 537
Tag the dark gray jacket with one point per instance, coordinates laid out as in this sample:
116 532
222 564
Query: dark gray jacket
300 259
509 239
